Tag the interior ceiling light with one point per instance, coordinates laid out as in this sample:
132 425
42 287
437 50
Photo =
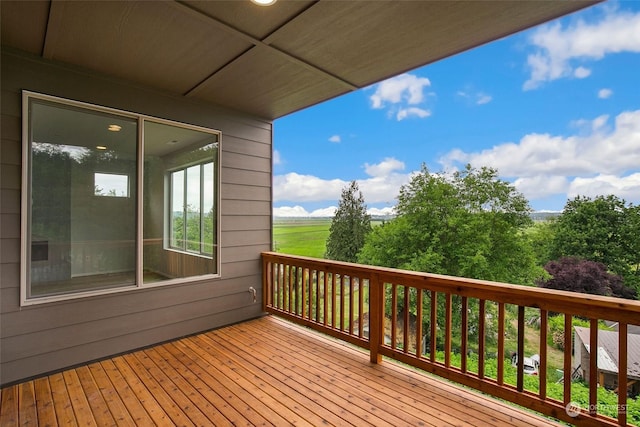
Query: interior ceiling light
264 2
101 147
114 128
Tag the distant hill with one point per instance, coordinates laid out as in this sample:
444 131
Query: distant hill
536 216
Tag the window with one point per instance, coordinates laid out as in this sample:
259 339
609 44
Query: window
191 213
114 200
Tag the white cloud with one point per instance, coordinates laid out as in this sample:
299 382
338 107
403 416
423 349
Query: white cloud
384 168
605 93
405 113
335 138
626 187
544 164
557 49
581 73
277 160
477 98
300 212
306 188
382 186
483 99
402 96
290 211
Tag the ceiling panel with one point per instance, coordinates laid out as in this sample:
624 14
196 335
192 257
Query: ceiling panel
155 43
245 16
24 24
363 42
267 85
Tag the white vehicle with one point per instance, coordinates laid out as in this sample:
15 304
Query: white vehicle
531 364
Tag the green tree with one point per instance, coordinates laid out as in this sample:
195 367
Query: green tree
604 229
349 227
468 224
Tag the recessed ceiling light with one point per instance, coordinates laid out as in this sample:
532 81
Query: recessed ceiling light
264 2
101 147
114 128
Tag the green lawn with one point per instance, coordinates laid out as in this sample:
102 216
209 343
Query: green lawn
305 237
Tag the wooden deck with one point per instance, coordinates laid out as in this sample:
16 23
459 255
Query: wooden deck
262 372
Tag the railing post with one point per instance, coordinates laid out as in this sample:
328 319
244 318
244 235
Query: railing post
376 314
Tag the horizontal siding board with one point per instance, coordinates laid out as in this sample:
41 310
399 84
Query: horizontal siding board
246 192
10 201
31 344
10 177
245 146
10 228
11 152
243 207
85 310
10 276
240 238
243 161
45 337
246 177
246 222
242 253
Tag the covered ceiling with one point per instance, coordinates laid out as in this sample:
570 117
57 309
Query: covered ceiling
266 61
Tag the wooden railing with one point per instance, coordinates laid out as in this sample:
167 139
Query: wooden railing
464 330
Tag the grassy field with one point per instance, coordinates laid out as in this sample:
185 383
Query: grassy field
305 237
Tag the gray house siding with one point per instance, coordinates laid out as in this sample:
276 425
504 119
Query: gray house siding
45 337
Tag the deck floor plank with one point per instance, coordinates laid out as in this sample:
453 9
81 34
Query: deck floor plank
237 410
262 372
196 399
62 401
128 398
28 408
44 403
222 411
116 406
95 398
271 407
313 380
9 408
79 399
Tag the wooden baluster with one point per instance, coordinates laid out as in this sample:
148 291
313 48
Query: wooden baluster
342 280
304 284
405 337
542 369
447 331
334 278
568 331
351 305
394 314
361 286
593 366
376 317
464 334
521 351
622 373
419 314
481 336
325 299
500 378
434 324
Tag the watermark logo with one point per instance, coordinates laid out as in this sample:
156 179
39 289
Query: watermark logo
573 409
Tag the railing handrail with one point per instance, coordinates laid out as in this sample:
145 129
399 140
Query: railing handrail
551 300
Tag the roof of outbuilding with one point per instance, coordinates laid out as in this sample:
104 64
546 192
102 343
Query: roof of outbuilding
608 358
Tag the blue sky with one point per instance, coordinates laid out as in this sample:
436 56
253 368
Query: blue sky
555 109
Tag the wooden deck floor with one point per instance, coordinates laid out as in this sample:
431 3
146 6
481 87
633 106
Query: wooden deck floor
262 372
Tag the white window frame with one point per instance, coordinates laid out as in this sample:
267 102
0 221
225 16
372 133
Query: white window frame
25 238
